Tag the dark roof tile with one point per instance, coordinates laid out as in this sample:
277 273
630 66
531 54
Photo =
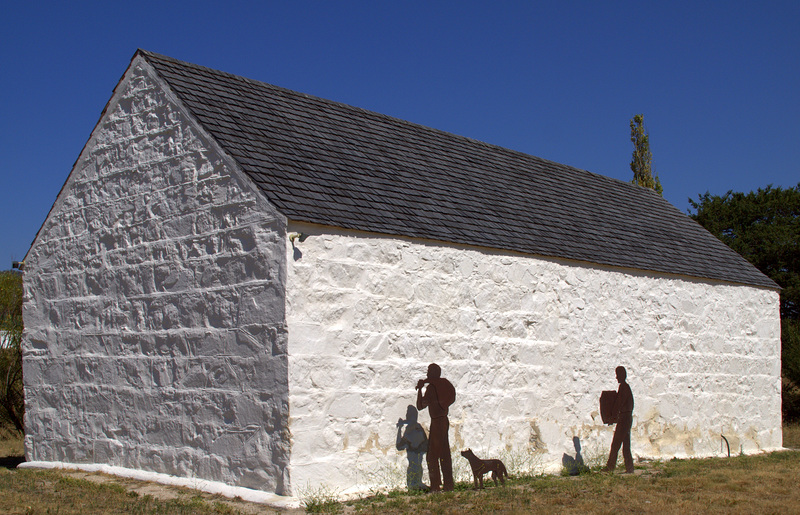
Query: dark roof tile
329 163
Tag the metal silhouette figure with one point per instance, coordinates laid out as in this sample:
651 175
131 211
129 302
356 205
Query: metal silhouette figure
439 395
480 467
622 414
414 441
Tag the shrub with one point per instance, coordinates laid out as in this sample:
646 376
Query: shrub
12 402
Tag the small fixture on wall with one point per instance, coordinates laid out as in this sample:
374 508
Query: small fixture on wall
301 237
297 236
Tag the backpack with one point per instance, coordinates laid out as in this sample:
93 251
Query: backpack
445 392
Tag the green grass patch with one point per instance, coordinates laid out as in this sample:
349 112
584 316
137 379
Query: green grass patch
320 499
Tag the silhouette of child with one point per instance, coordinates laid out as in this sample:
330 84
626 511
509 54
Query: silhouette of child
414 441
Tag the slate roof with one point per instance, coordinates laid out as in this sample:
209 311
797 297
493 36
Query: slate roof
329 163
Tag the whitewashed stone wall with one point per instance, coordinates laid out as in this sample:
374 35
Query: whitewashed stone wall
166 332
529 344
155 306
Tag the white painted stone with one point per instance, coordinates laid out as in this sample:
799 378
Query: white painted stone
171 327
155 306
529 344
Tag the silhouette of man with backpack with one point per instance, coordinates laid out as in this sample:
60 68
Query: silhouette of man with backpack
439 395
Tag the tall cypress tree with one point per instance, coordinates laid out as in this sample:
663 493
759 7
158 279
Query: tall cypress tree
642 159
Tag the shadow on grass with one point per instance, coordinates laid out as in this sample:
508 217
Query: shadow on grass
10 462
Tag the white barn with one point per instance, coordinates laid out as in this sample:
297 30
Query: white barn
242 283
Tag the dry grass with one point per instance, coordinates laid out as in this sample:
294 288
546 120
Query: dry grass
50 491
791 436
11 444
742 484
66 492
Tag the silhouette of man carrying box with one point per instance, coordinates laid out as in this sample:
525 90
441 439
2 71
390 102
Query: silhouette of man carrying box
438 397
622 414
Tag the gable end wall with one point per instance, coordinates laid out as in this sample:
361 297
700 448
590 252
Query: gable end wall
154 308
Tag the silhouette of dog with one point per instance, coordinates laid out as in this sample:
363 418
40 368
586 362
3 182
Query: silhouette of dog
481 467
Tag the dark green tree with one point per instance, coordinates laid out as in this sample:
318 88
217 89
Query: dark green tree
764 227
790 369
12 403
642 158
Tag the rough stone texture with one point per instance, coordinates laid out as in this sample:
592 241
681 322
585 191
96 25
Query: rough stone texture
171 326
154 310
529 344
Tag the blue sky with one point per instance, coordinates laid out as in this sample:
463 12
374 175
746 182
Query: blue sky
717 82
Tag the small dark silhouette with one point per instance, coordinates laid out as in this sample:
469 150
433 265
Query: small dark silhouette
297 236
414 441
438 397
481 467
574 466
727 444
622 414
